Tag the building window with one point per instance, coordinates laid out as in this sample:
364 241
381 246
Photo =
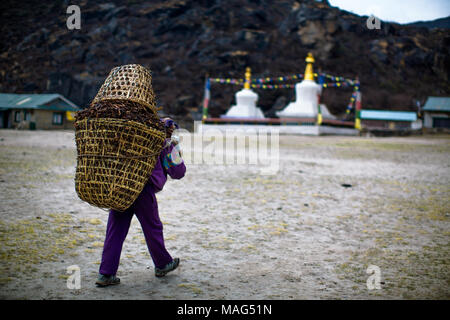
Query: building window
57 118
27 115
441 122
17 116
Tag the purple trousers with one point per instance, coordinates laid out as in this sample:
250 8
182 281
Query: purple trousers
146 209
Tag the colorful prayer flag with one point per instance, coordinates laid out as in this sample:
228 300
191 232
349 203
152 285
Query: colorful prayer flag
206 98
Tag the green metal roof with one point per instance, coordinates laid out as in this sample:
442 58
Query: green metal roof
437 104
388 115
54 102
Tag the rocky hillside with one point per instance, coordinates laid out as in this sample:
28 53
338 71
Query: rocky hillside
438 23
181 41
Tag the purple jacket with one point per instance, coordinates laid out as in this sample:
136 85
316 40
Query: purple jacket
169 163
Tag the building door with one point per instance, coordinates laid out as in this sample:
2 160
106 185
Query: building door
441 122
4 118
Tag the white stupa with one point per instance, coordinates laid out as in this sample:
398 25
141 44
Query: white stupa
245 102
307 95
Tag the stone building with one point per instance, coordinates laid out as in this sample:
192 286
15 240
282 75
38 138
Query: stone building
436 112
389 120
36 111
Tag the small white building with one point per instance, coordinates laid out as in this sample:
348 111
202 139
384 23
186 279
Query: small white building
436 112
246 101
245 106
307 93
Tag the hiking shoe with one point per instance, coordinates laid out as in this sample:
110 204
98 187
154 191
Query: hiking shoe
104 281
169 267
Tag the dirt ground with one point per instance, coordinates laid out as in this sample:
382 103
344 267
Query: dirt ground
299 234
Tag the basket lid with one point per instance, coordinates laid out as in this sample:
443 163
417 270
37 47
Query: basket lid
131 82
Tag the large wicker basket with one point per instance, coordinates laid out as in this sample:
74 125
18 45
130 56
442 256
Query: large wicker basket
131 82
115 160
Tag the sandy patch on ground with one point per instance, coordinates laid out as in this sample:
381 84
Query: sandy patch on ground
240 235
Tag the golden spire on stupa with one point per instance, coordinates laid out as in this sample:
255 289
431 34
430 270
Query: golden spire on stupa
248 75
309 74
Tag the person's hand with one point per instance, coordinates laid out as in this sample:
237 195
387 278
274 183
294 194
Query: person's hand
175 140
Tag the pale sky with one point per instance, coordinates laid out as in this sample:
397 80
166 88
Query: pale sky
400 11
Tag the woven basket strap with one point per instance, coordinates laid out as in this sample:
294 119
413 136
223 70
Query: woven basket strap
120 157
117 157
